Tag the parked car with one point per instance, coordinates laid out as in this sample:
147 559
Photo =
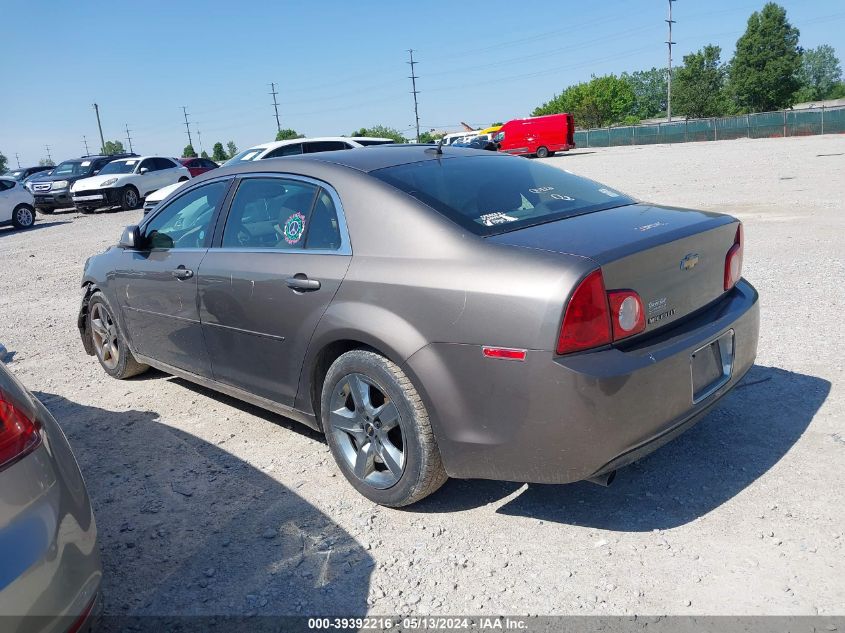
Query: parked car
17 205
505 319
295 146
53 191
539 136
25 172
158 195
48 538
198 166
126 182
479 142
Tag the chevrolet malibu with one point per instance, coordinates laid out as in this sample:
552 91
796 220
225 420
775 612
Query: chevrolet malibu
436 312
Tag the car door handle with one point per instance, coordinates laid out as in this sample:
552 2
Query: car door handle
182 273
301 283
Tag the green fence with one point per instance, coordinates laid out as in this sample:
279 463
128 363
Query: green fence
761 125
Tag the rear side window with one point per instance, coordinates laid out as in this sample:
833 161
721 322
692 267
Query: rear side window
324 146
496 194
163 163
269 213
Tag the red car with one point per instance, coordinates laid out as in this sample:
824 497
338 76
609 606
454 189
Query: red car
198 166
540 136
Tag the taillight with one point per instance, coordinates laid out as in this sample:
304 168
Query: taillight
733 260
626 313
18 434
586 322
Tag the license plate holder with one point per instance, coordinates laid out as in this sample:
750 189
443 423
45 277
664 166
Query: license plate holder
711 366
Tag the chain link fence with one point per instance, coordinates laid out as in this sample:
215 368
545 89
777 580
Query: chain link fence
761 125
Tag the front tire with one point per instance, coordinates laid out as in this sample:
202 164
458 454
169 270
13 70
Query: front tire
109 344
23 216
542 152
129 199
44 211
378 430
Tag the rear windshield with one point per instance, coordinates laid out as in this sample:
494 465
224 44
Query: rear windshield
496 194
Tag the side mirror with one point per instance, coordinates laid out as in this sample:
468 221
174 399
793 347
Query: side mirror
143 170
131 237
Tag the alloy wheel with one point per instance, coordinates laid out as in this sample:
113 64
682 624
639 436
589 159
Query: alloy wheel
25 217
105 337
367 427
131 198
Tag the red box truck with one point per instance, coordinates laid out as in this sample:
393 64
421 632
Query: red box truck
539 136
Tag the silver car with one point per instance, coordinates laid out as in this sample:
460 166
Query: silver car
49 561
437 312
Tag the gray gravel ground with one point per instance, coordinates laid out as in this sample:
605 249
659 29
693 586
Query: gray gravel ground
207 505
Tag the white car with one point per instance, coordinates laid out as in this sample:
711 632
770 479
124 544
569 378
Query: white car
126 182
17 205
295 146
157 196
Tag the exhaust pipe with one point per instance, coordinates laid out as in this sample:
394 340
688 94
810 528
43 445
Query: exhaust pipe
603 480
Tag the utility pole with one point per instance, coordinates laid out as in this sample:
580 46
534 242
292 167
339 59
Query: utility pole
275 106
199 137
414 91
187 125
49 158
18 158
670 22
128 138
102 140
85 143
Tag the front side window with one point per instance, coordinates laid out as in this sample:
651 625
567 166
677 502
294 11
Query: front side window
186 222
270 213
496 194
286 150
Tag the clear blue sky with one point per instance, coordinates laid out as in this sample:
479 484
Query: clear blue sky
338 65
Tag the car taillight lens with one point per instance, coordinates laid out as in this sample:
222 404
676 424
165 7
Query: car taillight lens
626 313
733 260
586 322
18 434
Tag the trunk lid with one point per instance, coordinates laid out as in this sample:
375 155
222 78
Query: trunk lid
673 258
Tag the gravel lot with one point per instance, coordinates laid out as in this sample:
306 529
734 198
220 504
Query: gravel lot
210 506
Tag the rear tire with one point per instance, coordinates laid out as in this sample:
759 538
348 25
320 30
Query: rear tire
129 199
108 342
542 152
378 430
23 216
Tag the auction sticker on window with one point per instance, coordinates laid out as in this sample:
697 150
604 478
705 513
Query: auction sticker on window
294 228
492 219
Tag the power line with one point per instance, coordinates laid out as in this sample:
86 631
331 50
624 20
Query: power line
100 127
128 138
414 91
669 42
187 125
275 106
85 142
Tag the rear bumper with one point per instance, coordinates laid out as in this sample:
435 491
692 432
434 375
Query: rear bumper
48 539
559 419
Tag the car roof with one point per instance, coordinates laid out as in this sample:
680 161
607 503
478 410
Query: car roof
375 157
311 139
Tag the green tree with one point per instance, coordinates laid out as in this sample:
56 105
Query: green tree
819 74
698 87
599 102
287 134
496 123
380 131
429 137
45 162
113 147
189 151
764 71
231 148
218 153
650 89
4 163
204 154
